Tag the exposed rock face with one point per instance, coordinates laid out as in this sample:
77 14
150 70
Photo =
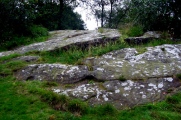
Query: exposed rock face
147 37
149 76
64 39
122 94
159 61
156 62
53 72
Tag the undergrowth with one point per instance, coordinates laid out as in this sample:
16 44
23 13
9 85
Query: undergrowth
21 41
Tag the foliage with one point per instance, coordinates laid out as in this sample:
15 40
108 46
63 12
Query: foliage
38 31
71 20
157 14
19 41
27 19
101 30
135 31
178 76
165 35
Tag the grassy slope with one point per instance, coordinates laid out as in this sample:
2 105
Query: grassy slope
18 102
20 41
32 100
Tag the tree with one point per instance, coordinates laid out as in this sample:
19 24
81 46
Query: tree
18 17
112 2
157 14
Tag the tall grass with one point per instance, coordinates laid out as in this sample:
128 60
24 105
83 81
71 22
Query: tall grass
75 55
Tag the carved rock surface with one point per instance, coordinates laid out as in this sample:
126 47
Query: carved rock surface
64 39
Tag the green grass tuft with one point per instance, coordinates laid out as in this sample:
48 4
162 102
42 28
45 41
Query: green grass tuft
21 41
101 30
9 67
135 31
9 57
122 78
178 76
77 106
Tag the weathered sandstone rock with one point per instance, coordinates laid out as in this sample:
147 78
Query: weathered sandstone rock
122 94
53 72
64 39
156 62
147 37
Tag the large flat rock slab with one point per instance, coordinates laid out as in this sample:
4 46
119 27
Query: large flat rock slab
156 62
124 77
53 72
128 63
147 37
123 94
64 39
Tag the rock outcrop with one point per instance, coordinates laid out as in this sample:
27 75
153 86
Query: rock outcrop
156 62
122 94
125 78
147 37
64 39
54 72
148 76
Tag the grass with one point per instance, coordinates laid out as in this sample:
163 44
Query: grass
30 100
101 30
122 78
140 50
75 55
9 67
34 100
135 31
178 76
20 41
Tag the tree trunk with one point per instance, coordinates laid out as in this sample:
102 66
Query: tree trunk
110 16
61 13
102 14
